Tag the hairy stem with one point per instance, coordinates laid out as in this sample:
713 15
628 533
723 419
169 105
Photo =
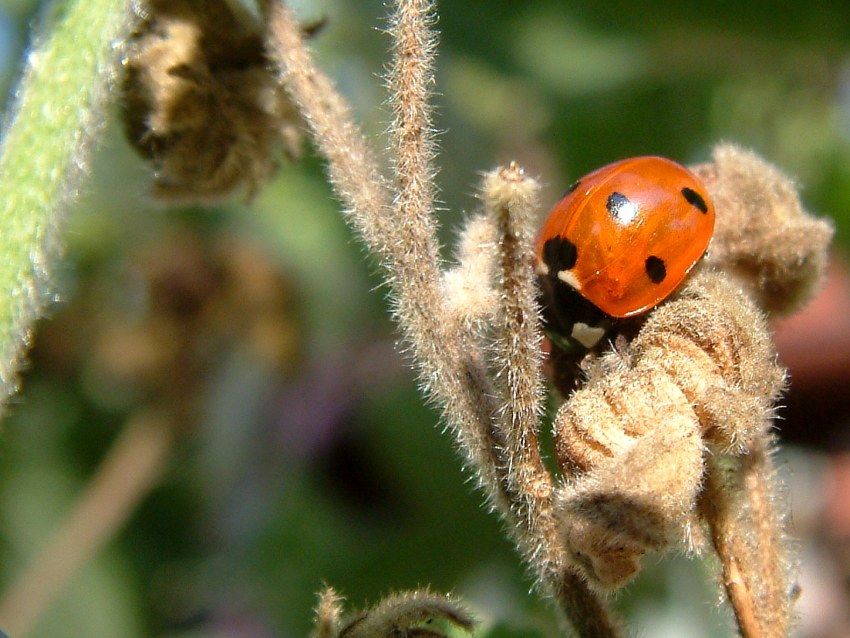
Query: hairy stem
57 112
747 533
402 233
719 512
510 199
500 438
587 613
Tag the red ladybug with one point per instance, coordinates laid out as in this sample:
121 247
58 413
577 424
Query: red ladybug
619 242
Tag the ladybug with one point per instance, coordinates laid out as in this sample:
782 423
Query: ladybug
616 244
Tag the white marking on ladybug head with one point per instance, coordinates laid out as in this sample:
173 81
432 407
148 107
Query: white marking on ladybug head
541 269
569 278
588 336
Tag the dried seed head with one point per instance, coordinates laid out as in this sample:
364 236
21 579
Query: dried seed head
701 371
640 500
396 616
201 102
715 343
762 235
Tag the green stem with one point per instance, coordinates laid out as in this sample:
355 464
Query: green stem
57 109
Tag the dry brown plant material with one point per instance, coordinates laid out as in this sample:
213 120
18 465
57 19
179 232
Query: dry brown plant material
642 442
700 378
400 228
763 237
201 102
401 615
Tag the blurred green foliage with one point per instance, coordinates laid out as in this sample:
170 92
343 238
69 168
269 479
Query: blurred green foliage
333 470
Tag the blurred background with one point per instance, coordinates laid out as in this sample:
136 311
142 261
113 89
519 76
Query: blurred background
310 457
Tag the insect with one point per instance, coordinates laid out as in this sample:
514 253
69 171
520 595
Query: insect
618 243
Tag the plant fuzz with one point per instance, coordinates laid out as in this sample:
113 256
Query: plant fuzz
201 103
401 615
666 441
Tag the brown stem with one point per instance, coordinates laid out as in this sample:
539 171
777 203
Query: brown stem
757 471
401 231
509 198
587 613
129 471
404 239
746 532
719 512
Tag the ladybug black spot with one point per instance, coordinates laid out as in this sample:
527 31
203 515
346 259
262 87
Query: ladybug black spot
571 188
621 207
656 269
695 199
559 253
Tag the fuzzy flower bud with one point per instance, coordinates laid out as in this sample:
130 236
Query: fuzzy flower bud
701 372
468 288
763 236
715 343
408 613
201 102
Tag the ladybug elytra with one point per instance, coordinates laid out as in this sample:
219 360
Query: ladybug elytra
618 243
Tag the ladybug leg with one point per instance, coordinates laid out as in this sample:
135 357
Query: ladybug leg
564 369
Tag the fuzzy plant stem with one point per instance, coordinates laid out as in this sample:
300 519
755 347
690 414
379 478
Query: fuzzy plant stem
401 231
717 511
748 538
510 200
132 467
57 111
451 366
